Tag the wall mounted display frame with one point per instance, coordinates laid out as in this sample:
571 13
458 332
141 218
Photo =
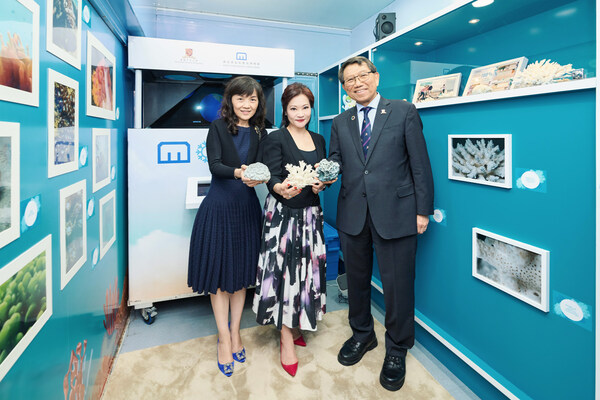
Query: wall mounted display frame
73 230
482 159
29 277
108 221
516 268
436 88
63 30
63 124
100 83
9 182
494 77
101 144
20 27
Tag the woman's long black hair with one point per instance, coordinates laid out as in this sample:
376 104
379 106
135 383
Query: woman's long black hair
245 86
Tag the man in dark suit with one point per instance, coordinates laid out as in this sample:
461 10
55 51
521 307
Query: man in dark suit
384 202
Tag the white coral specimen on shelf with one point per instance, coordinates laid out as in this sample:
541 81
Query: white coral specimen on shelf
257 172
542 73
301 175
482 160
327 170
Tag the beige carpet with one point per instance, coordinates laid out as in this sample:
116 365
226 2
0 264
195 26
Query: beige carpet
188 370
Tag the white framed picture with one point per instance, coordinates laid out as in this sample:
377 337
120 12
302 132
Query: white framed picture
20 75
482 159
436 88
100 82
494 77
73 231
63 30
100 158
108 221
63 124
9 182
516 268
31 274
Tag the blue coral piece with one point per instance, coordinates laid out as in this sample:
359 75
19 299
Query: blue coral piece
257 172
327 170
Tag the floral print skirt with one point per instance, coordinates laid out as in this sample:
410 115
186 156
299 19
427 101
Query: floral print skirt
290 283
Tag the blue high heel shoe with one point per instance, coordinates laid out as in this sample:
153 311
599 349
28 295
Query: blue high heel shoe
227 368
239 356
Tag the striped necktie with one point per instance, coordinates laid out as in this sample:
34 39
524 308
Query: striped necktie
365 131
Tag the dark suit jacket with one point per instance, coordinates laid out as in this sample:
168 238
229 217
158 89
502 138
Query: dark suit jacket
279 149
223 157
394 181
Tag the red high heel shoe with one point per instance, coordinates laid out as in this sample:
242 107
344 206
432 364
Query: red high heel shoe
299 341
289 368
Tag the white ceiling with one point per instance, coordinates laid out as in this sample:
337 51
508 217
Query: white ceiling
345 14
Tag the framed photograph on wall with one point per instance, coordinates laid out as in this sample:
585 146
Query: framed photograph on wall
29 277
100 158
63 124
63 30
482 159
20 51
108 222
494 77
73 233
439 87
516 268
9 182
100 87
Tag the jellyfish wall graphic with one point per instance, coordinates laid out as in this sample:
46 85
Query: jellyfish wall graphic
100 90
73 236
63 30
100 158
108 222
63 124
25 301
20 51
516 268
9 182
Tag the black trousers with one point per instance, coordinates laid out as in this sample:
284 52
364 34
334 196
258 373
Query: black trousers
396 261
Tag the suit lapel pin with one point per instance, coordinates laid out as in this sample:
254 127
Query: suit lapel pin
383 111
353 118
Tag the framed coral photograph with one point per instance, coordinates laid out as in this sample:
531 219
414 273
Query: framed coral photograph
73 233
108 222
63 124
516 268
100 83
436 88
482 159
494 77
63 30
100 158
20 51
9 182
29 278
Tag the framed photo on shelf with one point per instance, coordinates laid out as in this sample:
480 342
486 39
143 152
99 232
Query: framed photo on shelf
73 231
494 77
63 30
63 124
482 159
108 222
20 52
516 268
100 83
31 274
100 158
436 88
9 182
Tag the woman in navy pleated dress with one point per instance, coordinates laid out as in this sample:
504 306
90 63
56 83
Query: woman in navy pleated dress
225 238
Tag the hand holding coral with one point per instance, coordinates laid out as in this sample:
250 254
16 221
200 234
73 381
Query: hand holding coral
286 189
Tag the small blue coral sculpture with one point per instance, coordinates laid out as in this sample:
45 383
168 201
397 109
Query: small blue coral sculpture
257 172
327 170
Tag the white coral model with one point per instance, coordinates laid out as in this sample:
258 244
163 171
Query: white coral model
301 175
482 160
541 73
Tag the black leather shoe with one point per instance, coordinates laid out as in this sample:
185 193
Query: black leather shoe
352 351
393 372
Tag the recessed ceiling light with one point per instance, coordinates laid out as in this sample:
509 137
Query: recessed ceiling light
482 3
474 21
418 43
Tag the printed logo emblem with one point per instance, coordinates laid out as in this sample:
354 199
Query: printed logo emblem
241 56
173 152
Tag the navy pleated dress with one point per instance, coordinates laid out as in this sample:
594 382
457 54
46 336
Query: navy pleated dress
225 238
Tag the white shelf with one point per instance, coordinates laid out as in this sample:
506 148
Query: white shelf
589 83
326 117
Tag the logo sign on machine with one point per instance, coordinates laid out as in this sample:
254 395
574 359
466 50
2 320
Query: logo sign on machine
180 55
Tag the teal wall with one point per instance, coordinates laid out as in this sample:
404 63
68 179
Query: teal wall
78 313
